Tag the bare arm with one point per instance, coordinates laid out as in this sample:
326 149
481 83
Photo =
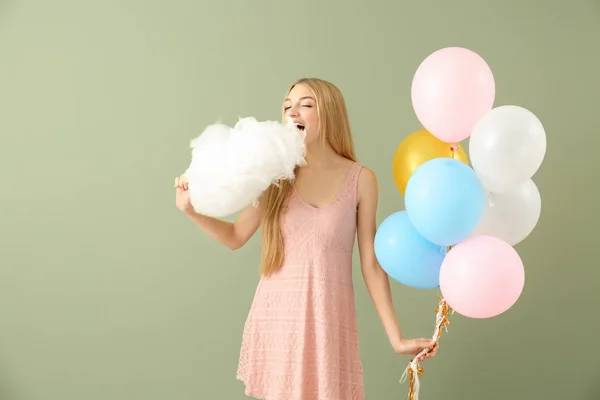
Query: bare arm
375 277
233 235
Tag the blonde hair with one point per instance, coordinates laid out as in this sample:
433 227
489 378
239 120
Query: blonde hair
334 128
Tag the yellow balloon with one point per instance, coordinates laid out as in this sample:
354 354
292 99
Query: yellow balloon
418 148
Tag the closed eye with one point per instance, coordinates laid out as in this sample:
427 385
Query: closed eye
304 105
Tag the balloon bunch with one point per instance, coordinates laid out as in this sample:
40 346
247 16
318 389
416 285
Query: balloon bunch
460 223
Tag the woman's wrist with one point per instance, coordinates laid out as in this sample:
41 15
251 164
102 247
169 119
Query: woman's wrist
397 344
395 339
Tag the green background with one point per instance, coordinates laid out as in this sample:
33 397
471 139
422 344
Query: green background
108 293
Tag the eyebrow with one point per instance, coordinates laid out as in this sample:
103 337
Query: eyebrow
301 98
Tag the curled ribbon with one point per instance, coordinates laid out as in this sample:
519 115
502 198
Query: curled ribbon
414 370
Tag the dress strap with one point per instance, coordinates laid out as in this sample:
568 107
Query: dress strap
352 182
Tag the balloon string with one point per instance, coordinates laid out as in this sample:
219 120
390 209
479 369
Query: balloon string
414 370
490 198
454 148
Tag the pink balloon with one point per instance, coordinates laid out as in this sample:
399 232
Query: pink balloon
482 277
451 90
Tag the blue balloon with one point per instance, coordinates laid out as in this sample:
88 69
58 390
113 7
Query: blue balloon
405 255
444 200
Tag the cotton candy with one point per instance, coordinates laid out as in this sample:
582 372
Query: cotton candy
231 167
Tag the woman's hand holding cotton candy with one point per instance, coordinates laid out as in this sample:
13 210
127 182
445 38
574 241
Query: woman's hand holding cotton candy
182 195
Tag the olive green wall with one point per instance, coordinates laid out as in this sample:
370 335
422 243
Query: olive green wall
108 293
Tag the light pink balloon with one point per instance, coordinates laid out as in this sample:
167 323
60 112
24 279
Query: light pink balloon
482 277
451 90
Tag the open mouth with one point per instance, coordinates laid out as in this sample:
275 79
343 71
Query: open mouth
300 127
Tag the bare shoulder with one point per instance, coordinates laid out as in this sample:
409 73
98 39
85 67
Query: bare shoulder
367 186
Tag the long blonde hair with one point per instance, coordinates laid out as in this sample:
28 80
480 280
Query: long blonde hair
334 128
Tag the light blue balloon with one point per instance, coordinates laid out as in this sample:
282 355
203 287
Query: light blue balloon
405 255
444 200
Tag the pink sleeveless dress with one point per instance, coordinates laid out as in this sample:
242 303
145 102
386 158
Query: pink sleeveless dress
300 340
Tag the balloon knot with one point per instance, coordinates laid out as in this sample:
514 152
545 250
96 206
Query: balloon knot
454 147
490 198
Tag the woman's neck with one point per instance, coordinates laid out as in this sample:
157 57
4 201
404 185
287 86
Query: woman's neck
320 155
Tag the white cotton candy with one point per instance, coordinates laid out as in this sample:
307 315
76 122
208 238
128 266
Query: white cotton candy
232 167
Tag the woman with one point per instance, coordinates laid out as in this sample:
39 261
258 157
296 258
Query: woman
300 340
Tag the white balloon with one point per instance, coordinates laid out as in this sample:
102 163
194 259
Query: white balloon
507 147
511 215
